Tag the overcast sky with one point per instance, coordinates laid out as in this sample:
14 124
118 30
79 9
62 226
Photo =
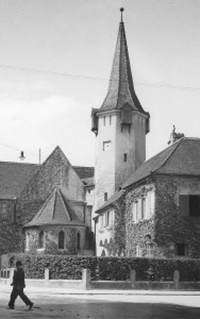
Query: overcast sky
55 62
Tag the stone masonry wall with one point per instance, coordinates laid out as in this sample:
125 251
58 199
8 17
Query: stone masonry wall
142 232
51 239
171 224
9 229
168 225
55 172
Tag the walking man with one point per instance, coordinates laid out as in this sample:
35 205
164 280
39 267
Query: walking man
18 287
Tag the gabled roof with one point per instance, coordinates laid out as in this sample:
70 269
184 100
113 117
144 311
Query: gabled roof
14 177
84 171
55 211
121 89
181 158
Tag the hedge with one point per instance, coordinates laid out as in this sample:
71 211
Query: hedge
104 268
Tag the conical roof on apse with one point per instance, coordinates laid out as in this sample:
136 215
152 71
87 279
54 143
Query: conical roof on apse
55 211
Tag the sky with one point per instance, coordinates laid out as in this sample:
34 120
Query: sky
55 63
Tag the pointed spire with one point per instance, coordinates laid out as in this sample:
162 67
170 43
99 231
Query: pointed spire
122 10
121 88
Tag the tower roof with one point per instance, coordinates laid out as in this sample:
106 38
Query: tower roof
55 211
121 89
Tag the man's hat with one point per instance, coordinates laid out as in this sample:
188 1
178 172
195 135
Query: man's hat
18 263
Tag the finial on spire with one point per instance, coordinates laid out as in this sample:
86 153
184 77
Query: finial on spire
122 10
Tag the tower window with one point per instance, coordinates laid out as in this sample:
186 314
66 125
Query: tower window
106 146
125 157
105 197
110 119
104 121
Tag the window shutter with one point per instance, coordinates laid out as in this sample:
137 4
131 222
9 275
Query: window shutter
184 205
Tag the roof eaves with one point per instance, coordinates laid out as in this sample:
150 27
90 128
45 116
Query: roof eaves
111 201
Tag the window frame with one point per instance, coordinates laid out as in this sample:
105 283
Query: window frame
41 240
59 240
106 143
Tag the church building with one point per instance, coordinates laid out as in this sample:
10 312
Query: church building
125 205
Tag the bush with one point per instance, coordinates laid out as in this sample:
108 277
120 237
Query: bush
104 268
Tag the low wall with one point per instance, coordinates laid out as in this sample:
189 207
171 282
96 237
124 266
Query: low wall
87 283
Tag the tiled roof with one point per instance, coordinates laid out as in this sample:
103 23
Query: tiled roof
121 89
84 171
181 158
55 211
14 177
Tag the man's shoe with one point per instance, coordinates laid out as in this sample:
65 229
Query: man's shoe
30 306
11 307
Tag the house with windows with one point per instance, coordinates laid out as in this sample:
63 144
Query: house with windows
158 207
125 205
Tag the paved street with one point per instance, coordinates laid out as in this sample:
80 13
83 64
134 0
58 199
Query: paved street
104 305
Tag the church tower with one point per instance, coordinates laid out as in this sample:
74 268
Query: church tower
120 125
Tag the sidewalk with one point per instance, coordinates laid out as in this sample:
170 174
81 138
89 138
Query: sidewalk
63 291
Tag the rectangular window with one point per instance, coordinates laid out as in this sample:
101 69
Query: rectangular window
143 208
27 241
134 211
138 251
101 221
150 201
106 146
149 250
105 197
181 249
189 205
125 157
112 216
104 121
138 209
110 119
194 205
107 218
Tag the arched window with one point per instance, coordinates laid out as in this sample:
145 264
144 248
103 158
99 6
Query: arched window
103 253
61 240
41 240
78 241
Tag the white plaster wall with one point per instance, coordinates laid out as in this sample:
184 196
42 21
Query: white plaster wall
103 233
133 144
90 196
105 160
